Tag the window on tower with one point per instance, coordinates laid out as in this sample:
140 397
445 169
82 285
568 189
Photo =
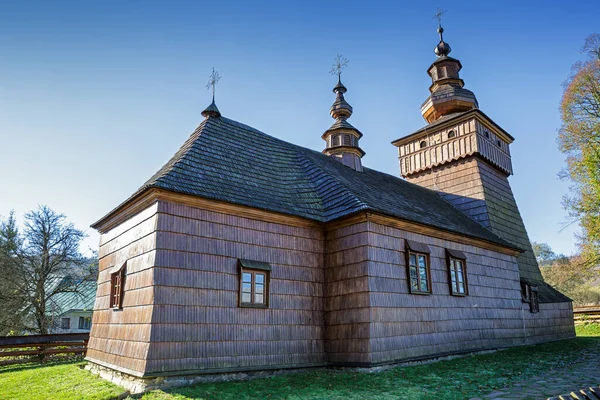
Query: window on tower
423 144
451 134
336 140
347 140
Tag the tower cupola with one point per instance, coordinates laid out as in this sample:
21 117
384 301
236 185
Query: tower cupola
342 138
448 95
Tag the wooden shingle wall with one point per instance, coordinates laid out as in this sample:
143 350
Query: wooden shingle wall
347 302
197 324
554 321
120 338
405 326
484 193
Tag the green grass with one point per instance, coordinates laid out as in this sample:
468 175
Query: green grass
459 378
58 380
588 329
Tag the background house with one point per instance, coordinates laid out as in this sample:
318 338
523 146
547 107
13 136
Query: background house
72 312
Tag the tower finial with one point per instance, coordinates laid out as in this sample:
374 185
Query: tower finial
339 64
214 78
342 138
212 110
443 48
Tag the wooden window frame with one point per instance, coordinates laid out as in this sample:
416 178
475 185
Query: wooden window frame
427 268
117 287
534 303
452 257
254 272
66 325
525 292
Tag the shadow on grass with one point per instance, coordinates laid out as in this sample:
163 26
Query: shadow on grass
458 378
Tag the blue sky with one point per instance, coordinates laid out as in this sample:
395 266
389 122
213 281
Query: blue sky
95 96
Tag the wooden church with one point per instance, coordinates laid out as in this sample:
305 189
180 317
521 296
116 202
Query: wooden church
247 253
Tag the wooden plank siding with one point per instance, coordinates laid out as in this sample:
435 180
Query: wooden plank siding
338 295
196 322
121 338
406 326
347 305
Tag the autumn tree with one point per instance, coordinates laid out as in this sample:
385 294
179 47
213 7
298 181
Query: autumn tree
579 139
38 264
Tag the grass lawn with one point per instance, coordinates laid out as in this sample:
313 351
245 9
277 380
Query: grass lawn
64 381
459 378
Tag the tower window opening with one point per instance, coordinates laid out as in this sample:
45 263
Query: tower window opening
499 143
451 134
336 140
487 134
423 144
347 140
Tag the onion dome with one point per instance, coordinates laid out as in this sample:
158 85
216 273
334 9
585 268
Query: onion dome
443 48
448 95
342 138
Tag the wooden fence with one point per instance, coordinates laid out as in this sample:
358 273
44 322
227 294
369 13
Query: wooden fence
19 349
586 314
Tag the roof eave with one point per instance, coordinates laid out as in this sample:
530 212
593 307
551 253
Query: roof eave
451 121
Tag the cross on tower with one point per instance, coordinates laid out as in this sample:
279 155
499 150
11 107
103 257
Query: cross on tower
339 64
438 15
212 81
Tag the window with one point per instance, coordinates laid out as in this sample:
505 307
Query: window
347 140
419 275
254 284
117 288
525 292
486 133
529 294
534 303
85 323
336 140
451 134
457 271
65 323
423 144
499 143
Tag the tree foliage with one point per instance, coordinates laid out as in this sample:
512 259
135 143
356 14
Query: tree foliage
579 139
569 275
38 264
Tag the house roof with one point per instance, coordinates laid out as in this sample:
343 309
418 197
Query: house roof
83 300
229 161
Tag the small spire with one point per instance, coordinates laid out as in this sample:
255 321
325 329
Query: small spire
443 48
340 108
212 110
342 138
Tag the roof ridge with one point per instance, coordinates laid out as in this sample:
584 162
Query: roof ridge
180 154
320 189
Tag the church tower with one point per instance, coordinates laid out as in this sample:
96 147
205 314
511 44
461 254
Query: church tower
342 138
465 156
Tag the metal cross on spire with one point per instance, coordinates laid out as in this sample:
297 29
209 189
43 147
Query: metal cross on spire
212 81
339 64
438 15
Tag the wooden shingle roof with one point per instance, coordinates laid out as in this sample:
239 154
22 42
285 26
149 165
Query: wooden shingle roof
232 162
